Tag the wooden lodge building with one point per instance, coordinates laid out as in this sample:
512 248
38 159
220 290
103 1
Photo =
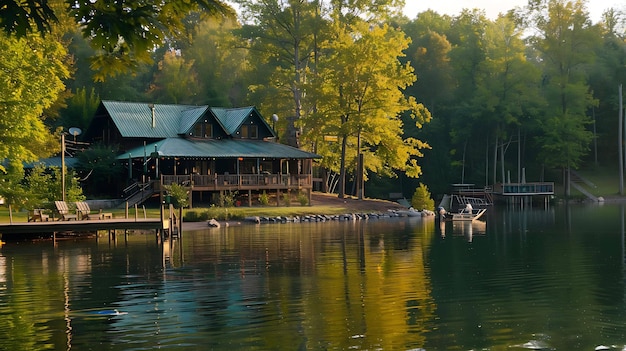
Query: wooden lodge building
210 150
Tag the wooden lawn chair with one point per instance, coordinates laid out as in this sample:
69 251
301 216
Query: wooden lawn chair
83 211
64 211
37 214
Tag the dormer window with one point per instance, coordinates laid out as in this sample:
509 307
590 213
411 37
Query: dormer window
203 130
249 131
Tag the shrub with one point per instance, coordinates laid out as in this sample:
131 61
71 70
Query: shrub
422 199
264 199
179 195
227 199
287 198
191 216
303 199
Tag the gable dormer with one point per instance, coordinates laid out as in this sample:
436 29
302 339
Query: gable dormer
201 123
243 123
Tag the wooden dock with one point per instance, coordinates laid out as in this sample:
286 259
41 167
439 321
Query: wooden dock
15 229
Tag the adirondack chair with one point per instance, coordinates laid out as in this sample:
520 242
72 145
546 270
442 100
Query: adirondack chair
84 212
64 211
37 214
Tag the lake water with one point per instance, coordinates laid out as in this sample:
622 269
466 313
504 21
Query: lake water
536 279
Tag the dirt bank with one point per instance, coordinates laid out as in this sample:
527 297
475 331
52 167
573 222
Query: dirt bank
350 204
355 205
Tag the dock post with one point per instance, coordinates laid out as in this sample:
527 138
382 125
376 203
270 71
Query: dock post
179 223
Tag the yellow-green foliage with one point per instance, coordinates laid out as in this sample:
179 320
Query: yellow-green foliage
264 198
422 199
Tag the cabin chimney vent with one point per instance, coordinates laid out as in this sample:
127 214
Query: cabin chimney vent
153 115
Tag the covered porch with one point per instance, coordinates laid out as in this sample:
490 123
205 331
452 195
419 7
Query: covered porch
248 168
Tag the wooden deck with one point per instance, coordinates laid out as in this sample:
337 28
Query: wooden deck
524 189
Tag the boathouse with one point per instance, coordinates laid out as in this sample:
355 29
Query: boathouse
207 149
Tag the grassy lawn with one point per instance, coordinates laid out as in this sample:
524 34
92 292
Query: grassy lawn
201 214
222 213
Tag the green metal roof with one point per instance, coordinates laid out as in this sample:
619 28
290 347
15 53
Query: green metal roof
224 148
135 119
70 162
231 119
190 117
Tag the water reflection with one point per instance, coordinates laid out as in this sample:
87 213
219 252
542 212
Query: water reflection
529 278
466 229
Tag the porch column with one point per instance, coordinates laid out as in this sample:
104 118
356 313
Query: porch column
190 191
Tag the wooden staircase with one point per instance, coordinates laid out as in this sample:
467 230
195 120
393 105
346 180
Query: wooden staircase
578 182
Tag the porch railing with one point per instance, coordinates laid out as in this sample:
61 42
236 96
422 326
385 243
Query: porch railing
241 181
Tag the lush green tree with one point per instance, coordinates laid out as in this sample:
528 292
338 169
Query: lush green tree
359 96
175 81
12 189
429 54
507 99
81 107
124 33
100 169
39 188
566 43
44 186
221 65
282 38
31 74
606 73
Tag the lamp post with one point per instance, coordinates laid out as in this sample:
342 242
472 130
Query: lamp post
274 120
75 132
63 166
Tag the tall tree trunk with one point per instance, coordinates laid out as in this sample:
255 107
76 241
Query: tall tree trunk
495 161
342 168
293 133
502 163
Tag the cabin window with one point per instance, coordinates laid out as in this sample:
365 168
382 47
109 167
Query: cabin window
203 130
250 131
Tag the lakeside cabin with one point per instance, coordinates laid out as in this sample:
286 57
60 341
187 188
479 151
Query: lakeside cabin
207 149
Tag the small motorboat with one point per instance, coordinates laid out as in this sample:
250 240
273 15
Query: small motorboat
465 214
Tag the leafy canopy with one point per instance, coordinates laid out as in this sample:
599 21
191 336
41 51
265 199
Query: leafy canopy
123 32
32 71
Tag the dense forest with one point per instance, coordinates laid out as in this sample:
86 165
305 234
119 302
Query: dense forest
436 99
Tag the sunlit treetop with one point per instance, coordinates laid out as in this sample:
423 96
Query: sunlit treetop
122 32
